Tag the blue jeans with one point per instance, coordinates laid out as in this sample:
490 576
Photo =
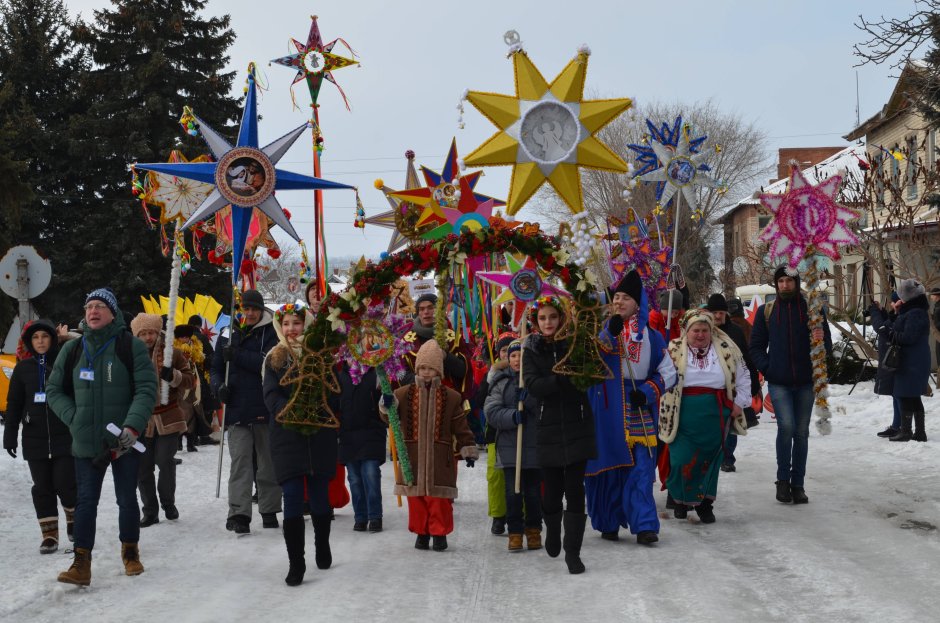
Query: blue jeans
318 487
530 493
896 422
793 406
89 479
731 442
365 488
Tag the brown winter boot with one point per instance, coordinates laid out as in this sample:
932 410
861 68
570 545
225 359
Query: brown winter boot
80 571
50 535
515 542
533 537
130 554
70 523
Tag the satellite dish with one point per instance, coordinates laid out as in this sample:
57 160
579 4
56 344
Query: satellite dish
38 272
740 266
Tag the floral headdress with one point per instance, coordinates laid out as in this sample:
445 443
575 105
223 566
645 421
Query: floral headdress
290 309
551 301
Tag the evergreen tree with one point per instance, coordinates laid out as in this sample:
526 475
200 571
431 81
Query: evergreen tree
150 60
41 66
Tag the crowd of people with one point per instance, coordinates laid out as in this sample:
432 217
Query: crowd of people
684 386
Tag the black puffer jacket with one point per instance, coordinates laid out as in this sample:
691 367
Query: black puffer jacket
884 378
295 454
564 419
44 434
362 431
245 403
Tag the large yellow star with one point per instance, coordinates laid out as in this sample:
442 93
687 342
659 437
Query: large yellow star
547 132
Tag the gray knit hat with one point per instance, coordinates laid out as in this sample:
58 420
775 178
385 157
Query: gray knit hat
910 289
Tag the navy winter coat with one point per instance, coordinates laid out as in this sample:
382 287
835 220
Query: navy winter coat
780 344
362 432
564 419
292 453
246 402
911 330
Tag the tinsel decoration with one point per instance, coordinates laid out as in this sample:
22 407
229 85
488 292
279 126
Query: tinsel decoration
188 122
818 347
395 424
314 380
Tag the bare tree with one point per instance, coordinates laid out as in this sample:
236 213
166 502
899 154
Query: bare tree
276 275
740 159
897 38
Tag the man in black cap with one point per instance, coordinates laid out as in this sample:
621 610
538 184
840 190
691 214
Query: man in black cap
455 357
718 306
246 416
780 348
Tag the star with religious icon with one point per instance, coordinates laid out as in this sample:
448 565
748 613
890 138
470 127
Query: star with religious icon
522 285
547 131
667 135
315 61
244 176
444 193
680 168
807 219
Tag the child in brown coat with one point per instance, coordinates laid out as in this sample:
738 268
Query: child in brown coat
432 418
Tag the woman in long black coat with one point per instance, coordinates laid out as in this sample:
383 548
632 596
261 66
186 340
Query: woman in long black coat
566 437
302 462
884 378
911 331
47 443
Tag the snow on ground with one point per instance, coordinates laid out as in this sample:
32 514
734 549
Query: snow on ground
866 548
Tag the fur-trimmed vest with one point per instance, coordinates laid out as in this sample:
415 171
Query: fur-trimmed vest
729 356
431 420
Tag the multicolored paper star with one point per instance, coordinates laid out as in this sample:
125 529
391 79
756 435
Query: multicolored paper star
807 218
547 131
681 170
668 136
522 285
315 62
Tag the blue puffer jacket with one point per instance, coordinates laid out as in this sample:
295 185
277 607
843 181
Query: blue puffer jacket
246 399
780 343
911 330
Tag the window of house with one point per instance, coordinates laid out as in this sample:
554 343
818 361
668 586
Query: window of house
895 171
911 167
877 169
762 222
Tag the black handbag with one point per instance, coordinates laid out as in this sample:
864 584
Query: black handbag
892 359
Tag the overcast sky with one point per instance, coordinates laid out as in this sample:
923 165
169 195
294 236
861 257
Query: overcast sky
786 65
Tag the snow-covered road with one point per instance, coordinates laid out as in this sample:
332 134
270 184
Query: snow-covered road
866 548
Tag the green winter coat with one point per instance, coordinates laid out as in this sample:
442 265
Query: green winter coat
106 399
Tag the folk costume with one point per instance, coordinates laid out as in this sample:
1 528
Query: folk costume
619 482
695 418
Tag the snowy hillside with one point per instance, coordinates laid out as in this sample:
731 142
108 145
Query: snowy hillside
866 548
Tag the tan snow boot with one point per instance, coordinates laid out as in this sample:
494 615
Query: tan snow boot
50 535
80 571
130 554
533 537
515 542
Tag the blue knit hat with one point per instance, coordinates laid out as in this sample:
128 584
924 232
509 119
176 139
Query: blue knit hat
106 296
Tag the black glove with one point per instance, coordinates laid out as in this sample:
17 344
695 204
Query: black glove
518 417
228 353
223 394
521 394
470 462
166 373
388 400
12 452
637 399
615 325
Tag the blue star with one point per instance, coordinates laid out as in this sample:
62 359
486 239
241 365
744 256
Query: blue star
244 176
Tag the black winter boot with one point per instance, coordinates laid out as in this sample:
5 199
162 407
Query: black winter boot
920 434
552 533
889 432
905 433
784 493
706 513
574 536
294 540
321 540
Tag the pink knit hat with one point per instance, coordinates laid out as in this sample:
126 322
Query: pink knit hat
143 322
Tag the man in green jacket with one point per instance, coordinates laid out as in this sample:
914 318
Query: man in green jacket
104 378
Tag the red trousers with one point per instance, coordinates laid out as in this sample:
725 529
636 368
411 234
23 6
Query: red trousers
427 515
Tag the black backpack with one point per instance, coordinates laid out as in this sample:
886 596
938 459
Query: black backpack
123 348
